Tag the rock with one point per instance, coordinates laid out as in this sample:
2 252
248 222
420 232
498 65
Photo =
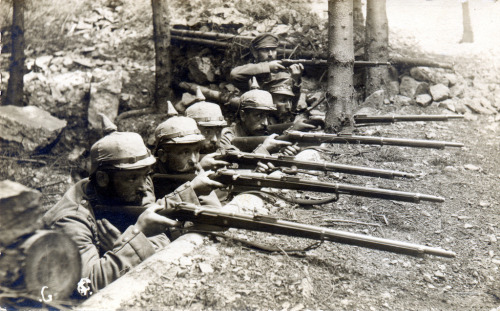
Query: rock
105 90
442 80
439 92
43 62
468 226
29 126
422 88
205 268
471 167
375 100
186 101
20 210
457 90
421 74
402 100
487 104
475 106
423 100
452 78
408 86
448 104
84 62
201 70
460 107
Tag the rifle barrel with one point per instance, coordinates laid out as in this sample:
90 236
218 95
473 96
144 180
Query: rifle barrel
251 158
257 180
358 119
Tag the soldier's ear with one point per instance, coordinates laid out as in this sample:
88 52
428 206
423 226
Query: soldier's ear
242 115
254 53
162 155
102 179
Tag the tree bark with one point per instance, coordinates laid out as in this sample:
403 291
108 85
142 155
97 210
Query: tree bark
161 34
359 19
340 92
468 35
376 45
15 86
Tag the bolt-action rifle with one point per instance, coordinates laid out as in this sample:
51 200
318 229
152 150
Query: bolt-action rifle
218 217
361 119
323 62
245 158
239 181
249 143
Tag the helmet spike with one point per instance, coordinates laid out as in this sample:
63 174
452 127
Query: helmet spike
253 84
199 95
171 110
108 126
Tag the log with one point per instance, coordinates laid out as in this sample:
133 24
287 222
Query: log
135 282
47 261
20 210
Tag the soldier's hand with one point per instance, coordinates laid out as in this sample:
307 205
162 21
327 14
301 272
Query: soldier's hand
301 125
276 66
265 168
203 185
290 150
107 234
271 144
208 162
296 71
151 223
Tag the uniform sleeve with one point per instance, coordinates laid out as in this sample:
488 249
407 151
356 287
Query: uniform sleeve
225 142
131 248
185 193
241 74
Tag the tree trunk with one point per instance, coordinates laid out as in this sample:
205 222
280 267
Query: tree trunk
468 35
376 46
359 19
16 84
161 34
340 92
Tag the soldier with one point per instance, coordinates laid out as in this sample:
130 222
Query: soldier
263 49
177 149
210 121
256 108
119 175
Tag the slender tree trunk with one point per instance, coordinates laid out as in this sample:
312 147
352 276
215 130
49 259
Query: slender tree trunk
340 93
359 19
468 35
376 45
16 84
161 33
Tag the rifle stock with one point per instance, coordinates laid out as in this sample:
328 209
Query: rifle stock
219 217
250 143
257 181
287 161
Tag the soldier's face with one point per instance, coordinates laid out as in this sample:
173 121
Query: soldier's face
283 104
255 121
129 186
181 158
212 136
266 54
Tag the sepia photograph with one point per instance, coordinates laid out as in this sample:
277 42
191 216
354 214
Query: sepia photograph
283 155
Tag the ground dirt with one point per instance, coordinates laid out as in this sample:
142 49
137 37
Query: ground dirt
224 274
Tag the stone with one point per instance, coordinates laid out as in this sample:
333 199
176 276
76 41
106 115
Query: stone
105 90
186 101
472 167
30 126
440 79
20 210
457 90
43 62
475 106
447 104
421 74
205 268
487 104
452 78
460 107
422 88
375 100
402 100
393 88
201 70
439 92
408 86
423 100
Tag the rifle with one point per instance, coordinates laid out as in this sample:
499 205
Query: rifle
323 62
218 217
228 99
255 181
288 161
251 142
361 119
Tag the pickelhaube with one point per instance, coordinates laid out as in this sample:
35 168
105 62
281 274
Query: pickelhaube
206 114
256 99
178 130
120 150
